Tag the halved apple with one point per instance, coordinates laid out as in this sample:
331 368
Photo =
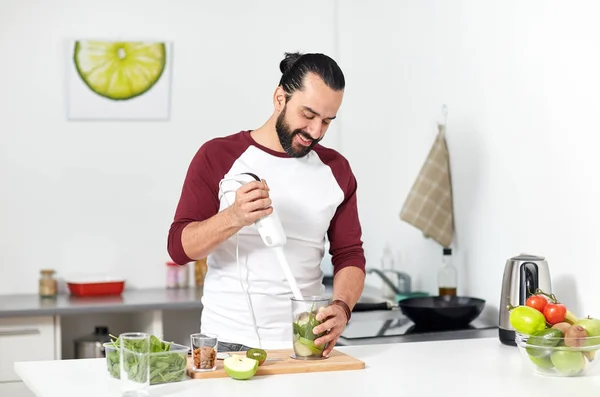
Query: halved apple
240 367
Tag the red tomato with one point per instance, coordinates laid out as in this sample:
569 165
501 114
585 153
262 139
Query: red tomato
538 302
555 313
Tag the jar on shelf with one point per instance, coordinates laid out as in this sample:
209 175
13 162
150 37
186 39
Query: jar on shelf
172 274
200 269
183 277
48 287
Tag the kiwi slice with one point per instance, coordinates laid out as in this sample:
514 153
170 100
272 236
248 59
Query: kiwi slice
258 354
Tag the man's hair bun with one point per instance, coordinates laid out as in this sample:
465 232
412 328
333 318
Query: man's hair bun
289 60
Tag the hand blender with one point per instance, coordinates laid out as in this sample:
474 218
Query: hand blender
271 232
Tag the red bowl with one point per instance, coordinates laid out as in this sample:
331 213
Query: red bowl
96 287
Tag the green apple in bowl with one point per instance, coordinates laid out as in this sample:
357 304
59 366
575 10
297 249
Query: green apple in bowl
240 367
568 362
591 325
592 328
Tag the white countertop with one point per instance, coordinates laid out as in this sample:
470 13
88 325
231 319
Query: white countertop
469 367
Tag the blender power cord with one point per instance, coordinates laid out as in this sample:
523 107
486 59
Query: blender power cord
239 267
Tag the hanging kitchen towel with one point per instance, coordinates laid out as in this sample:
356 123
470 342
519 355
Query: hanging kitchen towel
429 206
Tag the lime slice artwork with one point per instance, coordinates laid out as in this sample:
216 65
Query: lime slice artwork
119 70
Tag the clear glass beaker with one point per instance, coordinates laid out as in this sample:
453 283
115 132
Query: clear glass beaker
134 364
304 312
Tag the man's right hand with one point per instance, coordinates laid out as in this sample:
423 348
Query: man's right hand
252 202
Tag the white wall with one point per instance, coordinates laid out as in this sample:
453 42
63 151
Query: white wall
100 196
519 78
521 83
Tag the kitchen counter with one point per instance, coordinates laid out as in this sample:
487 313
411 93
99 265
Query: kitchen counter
137 299
470 367
130 300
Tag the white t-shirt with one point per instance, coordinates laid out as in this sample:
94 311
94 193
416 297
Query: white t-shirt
315 199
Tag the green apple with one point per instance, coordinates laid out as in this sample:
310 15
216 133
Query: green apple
303 350
306 348
240 367
542 362
568 362
591 326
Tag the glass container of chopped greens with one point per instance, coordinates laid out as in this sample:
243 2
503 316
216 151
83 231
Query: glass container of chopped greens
168 361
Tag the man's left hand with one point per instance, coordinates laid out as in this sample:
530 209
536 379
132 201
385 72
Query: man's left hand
335 325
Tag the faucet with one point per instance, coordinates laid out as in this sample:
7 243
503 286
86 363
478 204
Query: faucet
403 280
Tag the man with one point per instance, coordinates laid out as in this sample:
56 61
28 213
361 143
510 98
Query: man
246 297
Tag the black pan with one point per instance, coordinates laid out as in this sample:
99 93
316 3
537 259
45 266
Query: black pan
442 312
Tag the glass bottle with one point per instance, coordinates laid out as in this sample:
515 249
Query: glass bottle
387 266
47 284
447 275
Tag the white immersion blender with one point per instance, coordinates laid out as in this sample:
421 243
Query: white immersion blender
270 230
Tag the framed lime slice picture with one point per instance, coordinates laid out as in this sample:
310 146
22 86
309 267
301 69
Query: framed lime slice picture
119 70
113 79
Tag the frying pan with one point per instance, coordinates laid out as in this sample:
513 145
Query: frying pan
441 312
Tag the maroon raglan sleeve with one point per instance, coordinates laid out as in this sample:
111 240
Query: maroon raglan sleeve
199 201
345 233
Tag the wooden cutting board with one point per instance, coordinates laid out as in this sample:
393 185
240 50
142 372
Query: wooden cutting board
337 361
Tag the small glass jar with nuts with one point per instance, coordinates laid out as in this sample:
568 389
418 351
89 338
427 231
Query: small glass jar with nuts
204 352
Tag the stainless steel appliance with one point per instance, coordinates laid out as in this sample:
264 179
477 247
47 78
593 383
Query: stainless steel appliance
91 346
523 274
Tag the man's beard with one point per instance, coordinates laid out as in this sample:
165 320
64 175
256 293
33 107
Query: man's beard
286 138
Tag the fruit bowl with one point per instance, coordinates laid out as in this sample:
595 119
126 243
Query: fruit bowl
553 353
552 340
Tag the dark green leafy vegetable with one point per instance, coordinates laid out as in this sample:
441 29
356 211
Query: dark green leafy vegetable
165 365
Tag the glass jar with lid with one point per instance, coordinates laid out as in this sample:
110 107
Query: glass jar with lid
177 275
183 277
47 284
172 274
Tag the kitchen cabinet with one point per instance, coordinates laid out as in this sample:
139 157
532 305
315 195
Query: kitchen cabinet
25 339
